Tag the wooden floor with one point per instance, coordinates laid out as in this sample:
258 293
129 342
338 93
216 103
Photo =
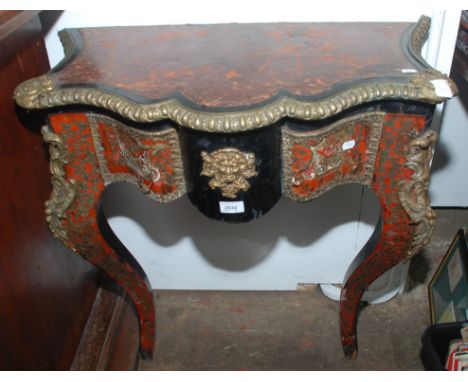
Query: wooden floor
296 330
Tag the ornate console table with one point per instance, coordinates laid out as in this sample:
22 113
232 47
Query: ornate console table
236 116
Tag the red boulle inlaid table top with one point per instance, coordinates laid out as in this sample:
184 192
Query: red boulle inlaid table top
234 65
262 71
237 116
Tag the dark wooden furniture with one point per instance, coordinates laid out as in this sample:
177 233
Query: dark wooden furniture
46 293
56 312
237 116
460 57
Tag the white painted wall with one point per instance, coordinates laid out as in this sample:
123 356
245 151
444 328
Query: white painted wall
295 243
449 183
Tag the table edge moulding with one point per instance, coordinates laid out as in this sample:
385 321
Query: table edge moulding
274 133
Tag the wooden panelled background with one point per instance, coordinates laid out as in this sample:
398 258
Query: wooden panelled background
46 292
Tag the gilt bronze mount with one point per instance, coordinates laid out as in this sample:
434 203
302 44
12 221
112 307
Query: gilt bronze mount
229 170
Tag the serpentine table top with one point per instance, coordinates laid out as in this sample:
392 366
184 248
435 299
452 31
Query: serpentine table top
237 76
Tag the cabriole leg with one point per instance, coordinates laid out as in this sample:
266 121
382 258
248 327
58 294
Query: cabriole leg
73 213
406 221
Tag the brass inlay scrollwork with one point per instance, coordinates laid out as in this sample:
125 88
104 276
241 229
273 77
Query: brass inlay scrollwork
142 166
413 193
229 169
63 190
321 164
326 158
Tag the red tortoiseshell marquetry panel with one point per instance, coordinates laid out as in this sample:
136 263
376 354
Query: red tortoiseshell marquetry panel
150 159
318 160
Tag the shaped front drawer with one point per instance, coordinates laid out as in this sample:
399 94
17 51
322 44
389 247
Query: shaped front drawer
318 160
149 159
